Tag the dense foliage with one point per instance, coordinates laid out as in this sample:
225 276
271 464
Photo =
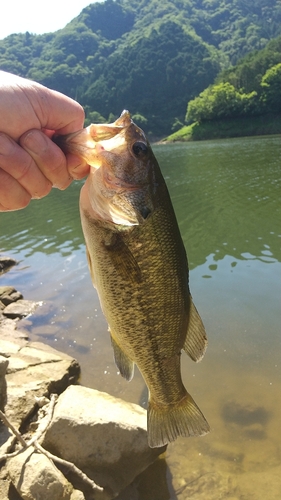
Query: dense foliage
252 87
151 56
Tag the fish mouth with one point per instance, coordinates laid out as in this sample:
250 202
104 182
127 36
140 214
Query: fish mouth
88 143
92 140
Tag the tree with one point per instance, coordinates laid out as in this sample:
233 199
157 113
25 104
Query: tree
221 101
93 117
271 88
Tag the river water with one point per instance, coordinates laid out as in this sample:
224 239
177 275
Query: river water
226 196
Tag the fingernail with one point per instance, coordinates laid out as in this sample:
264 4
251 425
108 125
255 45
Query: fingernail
62 187
35 142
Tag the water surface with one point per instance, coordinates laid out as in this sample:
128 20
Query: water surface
226 196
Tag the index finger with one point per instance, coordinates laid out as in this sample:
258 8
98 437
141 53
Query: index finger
56 111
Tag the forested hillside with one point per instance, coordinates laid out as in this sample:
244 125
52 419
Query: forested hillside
150 56
251 88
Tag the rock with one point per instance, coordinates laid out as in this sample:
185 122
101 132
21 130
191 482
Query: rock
104 436
35 477
6 263
210 485
8 348
13 297
77 495
3 385
34 370
20 309
6 290
7 324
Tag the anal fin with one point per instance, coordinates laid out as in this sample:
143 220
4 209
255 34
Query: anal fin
124 364
196 342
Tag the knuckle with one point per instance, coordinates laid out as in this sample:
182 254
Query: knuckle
12 195
7 146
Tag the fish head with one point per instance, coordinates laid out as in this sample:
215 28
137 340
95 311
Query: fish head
123 178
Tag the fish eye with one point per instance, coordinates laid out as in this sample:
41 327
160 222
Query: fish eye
139 148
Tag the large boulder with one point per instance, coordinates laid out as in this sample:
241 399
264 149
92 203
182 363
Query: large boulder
104 436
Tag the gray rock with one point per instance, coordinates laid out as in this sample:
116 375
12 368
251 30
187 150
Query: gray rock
6 290
35 370
7 325
7 299
35 477
104 436
20 309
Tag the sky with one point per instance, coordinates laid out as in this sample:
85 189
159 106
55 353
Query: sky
19 16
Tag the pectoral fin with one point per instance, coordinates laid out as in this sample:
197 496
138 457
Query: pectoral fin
123 259
196 342
124 364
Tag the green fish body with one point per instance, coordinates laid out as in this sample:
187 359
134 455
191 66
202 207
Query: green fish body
139 267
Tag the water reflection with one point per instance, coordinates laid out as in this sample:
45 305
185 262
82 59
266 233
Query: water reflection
226 196
50 225
225 204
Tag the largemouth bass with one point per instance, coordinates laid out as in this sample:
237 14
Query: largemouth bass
139 267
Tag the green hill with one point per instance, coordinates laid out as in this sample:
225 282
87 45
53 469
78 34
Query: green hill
244 100
150 56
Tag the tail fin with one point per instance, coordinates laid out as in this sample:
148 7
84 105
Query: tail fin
166 422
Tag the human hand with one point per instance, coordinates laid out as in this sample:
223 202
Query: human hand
30 163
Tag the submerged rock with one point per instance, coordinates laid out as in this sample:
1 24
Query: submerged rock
19 309
104 436
6 263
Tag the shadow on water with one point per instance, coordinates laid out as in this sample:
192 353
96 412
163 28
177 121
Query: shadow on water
153 484
245 416
252 420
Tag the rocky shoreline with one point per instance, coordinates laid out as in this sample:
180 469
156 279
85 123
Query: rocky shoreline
74 443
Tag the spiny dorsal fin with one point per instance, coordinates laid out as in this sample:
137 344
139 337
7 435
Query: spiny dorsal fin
196 342
124 364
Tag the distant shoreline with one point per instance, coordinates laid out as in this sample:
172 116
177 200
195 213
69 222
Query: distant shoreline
224 129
